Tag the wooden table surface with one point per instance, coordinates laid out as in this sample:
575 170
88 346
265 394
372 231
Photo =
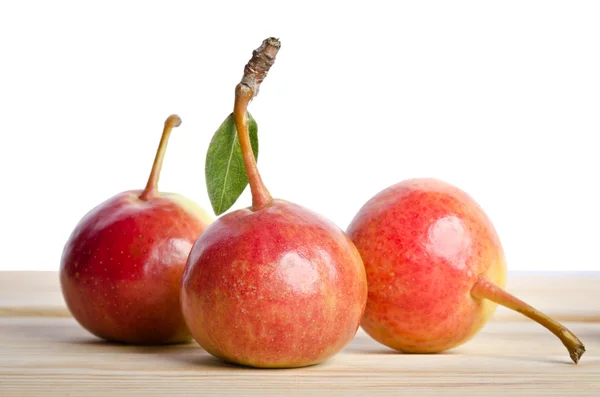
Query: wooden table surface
43 351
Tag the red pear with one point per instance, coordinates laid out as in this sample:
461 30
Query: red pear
435 269
273 285
122 266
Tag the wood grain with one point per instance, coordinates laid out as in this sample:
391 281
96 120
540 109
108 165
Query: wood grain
566 296
31 293
53 356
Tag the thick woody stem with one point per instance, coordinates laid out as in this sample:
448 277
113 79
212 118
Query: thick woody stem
262 59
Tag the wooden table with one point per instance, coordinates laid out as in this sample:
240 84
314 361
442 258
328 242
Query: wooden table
43 351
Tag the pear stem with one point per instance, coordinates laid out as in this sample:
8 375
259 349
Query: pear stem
260 194
151 189
255 72
485 289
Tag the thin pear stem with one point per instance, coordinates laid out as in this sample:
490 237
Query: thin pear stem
260 195
151 189
485 289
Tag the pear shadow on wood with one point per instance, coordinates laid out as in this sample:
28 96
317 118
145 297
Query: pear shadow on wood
379 349
202 359
385 351
372 350
127 348
205 360
65 332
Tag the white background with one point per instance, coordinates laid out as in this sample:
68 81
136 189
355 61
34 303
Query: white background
499 98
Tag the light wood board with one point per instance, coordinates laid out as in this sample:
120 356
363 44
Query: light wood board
42 354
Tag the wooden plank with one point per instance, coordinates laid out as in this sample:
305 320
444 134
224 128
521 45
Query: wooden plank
54 356
50 355
565 296
31 293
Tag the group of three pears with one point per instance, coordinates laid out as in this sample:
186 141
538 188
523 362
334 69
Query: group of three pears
420 267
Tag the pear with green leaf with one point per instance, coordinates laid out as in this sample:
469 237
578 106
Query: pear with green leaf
274 284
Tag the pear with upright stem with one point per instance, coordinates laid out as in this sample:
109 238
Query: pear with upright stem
122 266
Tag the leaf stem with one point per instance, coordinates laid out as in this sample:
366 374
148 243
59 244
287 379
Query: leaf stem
152 186
254 73
485 289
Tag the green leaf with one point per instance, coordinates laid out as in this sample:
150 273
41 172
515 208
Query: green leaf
225 172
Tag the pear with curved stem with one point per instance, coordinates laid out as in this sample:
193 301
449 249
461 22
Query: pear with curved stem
435 268
272 285
121 267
